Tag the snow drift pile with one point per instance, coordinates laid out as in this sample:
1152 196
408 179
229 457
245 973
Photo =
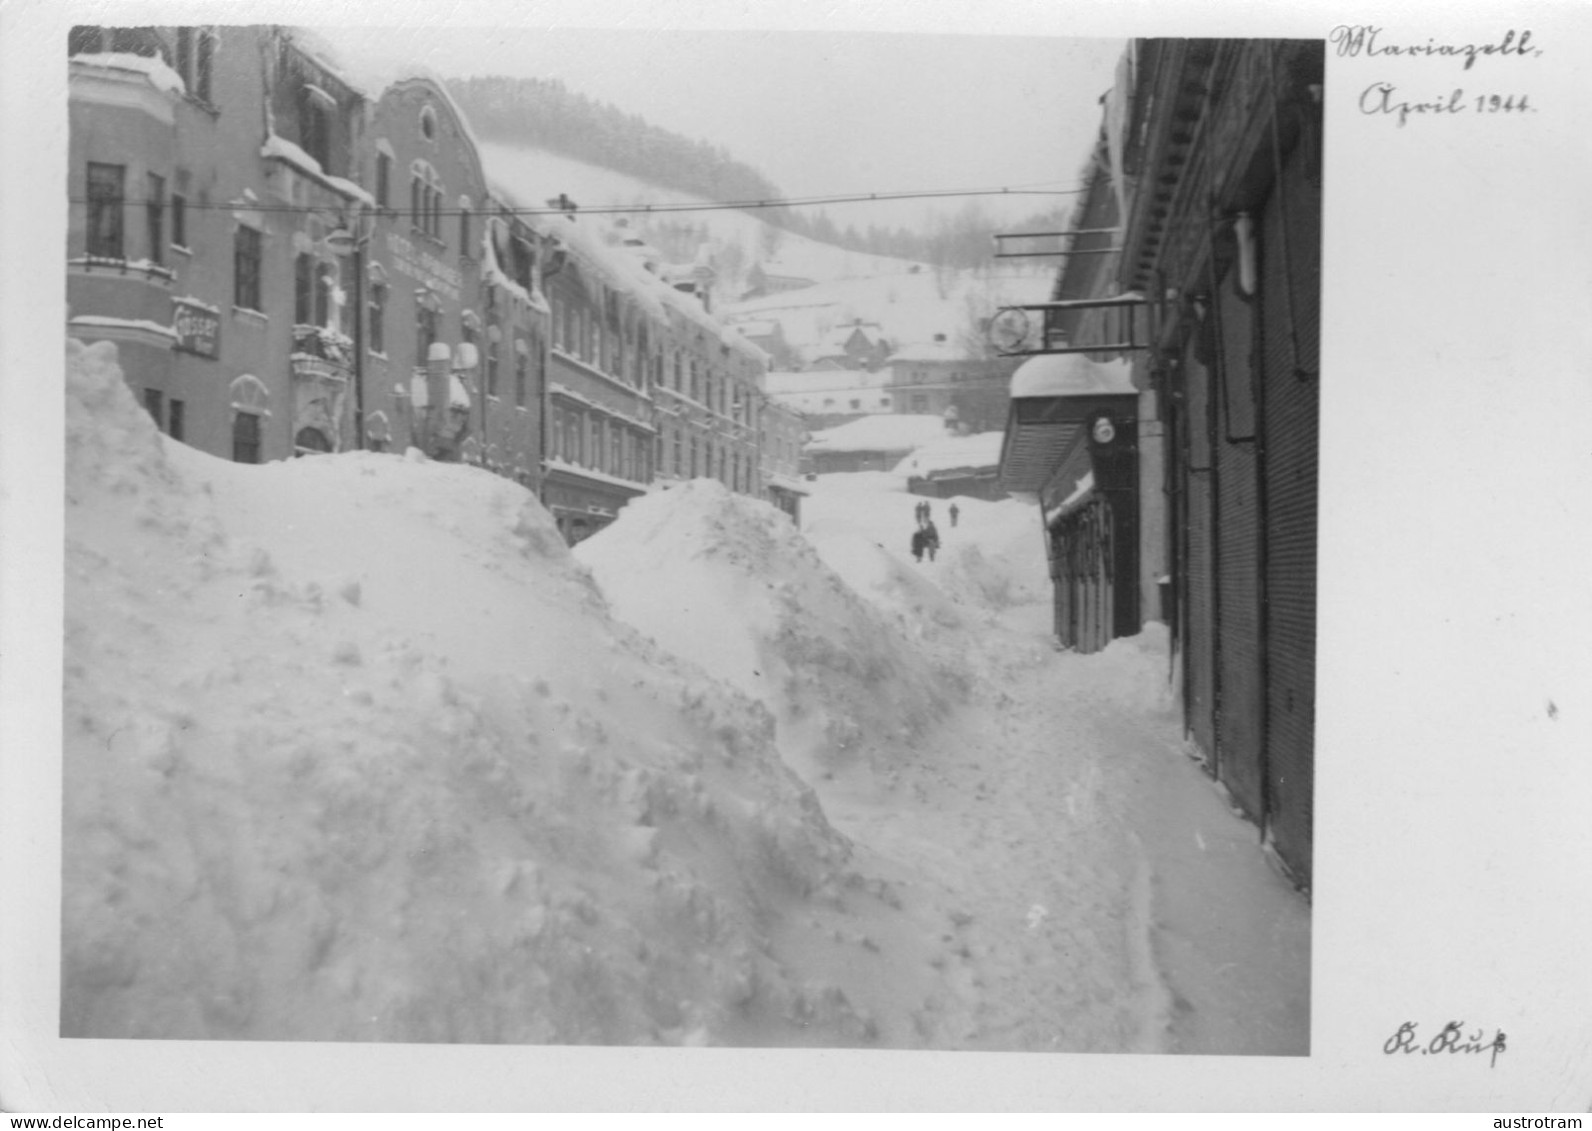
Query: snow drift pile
352 750
732 585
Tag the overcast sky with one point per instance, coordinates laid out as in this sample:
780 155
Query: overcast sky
816 111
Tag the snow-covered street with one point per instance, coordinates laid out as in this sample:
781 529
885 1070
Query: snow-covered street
357 749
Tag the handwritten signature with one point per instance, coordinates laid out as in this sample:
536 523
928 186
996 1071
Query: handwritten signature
1451 1040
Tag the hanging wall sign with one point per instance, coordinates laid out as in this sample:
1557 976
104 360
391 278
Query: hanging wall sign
197 326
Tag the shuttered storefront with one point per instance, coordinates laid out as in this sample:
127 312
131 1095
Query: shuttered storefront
1199 575
1292 432
1240 713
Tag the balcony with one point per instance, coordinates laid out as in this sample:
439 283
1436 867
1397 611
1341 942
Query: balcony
320 343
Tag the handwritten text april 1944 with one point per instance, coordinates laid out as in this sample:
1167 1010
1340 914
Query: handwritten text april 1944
1385 98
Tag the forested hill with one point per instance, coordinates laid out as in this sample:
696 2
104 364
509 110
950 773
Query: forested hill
545 114
548 115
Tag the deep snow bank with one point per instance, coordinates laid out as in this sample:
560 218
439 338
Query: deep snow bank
353 751
729 583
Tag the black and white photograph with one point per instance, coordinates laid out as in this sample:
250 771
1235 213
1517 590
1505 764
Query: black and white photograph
810 540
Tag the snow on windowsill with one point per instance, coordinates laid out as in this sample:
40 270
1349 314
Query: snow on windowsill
106 322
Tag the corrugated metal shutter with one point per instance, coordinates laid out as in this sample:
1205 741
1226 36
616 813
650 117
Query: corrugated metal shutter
1292 431
1200 597
1239 737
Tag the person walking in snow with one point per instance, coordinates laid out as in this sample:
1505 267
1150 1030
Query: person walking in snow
954 513
918 541
931 538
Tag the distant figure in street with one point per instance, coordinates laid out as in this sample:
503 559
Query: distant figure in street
919 537
931 538
954 513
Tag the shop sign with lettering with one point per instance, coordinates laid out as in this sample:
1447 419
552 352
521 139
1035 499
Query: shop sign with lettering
198 328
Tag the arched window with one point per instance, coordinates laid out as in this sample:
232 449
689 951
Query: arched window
464 226
311 441
425 199
245 437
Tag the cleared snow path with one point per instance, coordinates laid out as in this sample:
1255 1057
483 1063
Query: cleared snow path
1078 883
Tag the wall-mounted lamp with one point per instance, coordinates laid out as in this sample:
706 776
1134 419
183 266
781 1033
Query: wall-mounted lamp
1244 230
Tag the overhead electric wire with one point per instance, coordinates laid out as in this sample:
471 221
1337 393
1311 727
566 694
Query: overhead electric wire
607 209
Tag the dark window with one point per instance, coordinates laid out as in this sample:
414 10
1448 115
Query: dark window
464 231
325 282
383 180
246 438
136 41
155 211
524 262
246 268
310 440
185 55
345 283
179 219
207 67
85 41
520 367
417 189
174 421
425 333
153 404
303 288
105 193
314 128
378 317
491 369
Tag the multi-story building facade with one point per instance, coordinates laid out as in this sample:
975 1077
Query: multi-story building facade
600 409
936 377
1178 472
293 265
241 229
457 322
783 432
193 198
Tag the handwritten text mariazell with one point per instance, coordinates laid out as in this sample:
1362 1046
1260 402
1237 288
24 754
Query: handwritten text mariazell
1386 99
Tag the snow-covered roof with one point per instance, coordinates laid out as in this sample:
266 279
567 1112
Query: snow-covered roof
835 341
785 483
1070 374
886 432
152 67
980 450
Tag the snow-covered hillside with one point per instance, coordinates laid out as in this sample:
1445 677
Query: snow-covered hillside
533 176
909 307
